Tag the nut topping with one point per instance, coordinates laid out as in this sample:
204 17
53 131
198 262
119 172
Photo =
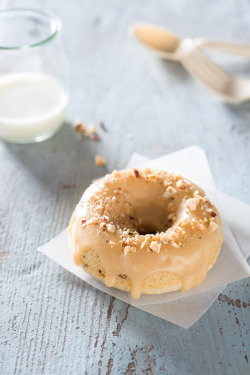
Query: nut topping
136 172
191 204
111 228
213 226
155 246
181 185
170 191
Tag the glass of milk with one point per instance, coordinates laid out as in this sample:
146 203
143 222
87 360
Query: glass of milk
33 76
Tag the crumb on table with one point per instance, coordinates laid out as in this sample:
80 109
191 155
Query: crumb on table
92 129
88 132
99 160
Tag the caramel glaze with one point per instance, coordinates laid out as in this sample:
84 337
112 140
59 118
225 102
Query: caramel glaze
188 231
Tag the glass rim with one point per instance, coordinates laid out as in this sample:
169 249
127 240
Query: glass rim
52 18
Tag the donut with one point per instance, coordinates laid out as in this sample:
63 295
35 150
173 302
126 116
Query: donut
146 232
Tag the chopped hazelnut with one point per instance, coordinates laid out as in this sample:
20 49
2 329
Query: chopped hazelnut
123 276
196 193
93 221
116 174
164 238
133 249
191 204
83 223
175 244
103 225
80 128
183 222
126 249
146 242
198 225
212 226
167 183
181 185
155 246
170 191
111 228
136 172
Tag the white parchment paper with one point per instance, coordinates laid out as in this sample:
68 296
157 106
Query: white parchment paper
183 309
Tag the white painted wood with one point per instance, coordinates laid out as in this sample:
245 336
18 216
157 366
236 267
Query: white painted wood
51 322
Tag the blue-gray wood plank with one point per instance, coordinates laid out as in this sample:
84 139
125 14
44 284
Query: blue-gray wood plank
53 323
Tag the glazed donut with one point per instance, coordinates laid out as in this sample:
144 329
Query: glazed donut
145 232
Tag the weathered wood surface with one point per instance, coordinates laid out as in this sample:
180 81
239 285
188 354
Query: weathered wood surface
53 323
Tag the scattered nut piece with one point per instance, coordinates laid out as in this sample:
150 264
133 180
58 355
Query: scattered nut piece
80 128
152 177
181 185
123 276
213 214
146 242
191 204
198 225
170 191
155 246
183 222
99 160
112 243
93 221
103 225
167 183
83 223
126 249
111 228
212 226
196 193
164 238
175 245
136 172
116 174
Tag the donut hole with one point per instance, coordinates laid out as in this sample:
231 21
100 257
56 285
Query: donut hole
150 220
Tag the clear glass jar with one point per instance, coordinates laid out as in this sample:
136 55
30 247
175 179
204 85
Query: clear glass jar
33 76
